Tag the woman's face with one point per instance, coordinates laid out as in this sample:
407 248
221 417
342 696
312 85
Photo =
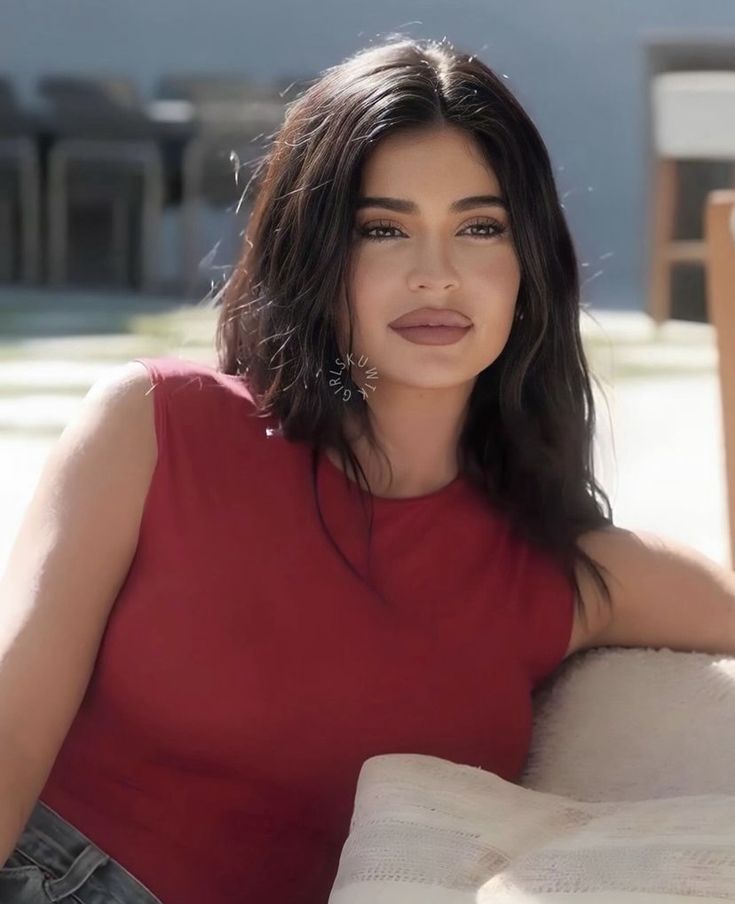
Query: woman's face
430 255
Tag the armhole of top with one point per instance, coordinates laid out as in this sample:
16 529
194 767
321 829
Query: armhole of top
160 417
159 414
565 618
553 622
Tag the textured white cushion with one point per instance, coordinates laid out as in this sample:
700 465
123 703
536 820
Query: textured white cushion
630 724
427 831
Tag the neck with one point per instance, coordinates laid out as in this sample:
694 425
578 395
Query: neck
419 430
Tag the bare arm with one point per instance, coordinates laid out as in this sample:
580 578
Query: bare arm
665 594
71 554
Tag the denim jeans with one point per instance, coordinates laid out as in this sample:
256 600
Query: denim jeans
54 862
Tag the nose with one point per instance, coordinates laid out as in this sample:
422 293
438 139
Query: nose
431 268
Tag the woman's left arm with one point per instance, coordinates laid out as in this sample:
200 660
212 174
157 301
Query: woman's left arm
664 593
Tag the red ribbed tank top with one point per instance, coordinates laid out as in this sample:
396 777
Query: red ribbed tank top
246 673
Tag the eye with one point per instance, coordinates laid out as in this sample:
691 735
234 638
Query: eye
366 231
492 229
496 227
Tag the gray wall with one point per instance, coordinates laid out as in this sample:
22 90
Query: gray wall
576 65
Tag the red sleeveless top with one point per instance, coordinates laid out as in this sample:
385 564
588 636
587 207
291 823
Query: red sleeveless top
246 673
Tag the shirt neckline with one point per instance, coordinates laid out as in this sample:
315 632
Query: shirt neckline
449 490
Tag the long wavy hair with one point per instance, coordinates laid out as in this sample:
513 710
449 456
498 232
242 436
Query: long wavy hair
527 437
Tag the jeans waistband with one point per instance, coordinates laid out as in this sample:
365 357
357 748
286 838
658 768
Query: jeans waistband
76 866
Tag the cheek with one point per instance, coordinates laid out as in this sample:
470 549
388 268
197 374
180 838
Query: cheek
365 298
381 261
498 282
373 289
503 273
372 278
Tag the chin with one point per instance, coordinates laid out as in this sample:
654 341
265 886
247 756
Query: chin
427 381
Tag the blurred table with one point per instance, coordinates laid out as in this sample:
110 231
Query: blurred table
170 123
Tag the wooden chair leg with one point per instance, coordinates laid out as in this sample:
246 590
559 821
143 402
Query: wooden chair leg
663 214
719 230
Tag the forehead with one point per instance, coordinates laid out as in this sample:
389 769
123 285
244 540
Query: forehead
436 160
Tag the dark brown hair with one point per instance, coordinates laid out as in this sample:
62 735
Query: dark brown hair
527 437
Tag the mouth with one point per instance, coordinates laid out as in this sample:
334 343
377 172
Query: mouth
432 335
431 318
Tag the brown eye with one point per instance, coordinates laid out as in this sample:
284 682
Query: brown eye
377 232
494 226
369 231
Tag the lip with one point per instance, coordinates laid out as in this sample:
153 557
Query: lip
432 317
433 335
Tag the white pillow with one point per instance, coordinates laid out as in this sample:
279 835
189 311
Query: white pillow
428 831
634 724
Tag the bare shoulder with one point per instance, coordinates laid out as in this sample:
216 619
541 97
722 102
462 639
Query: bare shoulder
71 553
120 401
101 463
129 381
96 473
608 546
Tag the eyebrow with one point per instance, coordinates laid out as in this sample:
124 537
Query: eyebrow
400 205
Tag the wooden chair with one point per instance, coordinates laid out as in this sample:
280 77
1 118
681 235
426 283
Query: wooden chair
692 121
719 231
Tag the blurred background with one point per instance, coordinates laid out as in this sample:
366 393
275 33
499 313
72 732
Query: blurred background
126 131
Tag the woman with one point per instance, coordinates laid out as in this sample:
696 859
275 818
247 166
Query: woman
374 528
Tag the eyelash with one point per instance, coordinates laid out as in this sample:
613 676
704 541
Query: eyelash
365 230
